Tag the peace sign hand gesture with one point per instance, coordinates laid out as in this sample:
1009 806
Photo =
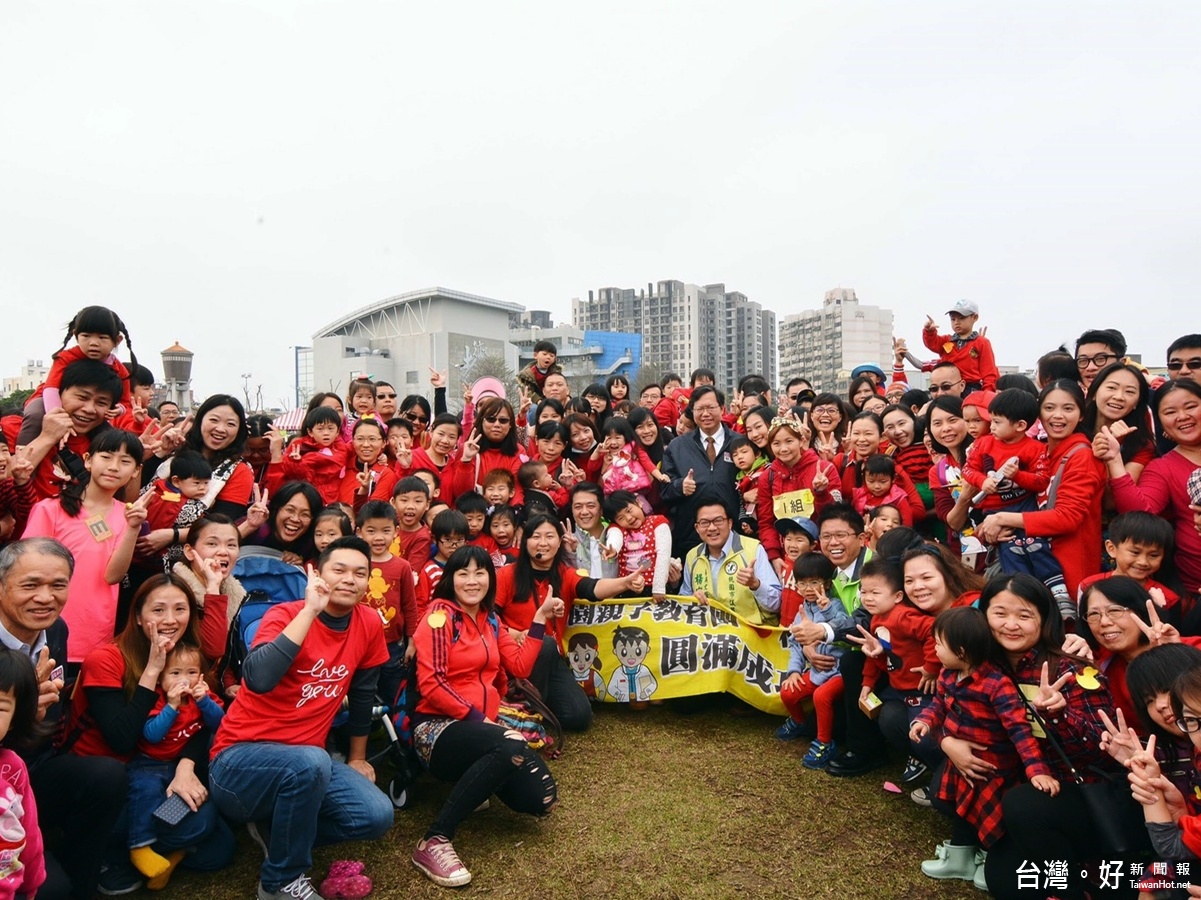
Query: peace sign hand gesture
869 642
1049 698
135 513
1119 741
317 592
256 515
471 447
1158 632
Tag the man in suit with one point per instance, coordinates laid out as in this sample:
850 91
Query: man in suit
700 468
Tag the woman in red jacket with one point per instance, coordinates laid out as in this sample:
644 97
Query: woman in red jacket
462 656
1071 509
492 444
797 483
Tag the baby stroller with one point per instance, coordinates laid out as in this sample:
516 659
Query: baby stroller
268 580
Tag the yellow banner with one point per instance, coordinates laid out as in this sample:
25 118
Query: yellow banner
622 650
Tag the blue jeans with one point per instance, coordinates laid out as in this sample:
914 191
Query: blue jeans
203 834
307 798
148 780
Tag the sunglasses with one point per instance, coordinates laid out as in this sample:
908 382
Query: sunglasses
497 420
415 417
1193 365
943 388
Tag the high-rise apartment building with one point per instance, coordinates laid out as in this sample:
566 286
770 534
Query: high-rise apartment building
825 344
688 326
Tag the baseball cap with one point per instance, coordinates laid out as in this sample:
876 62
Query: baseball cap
797 523
964 308
980 400
865 369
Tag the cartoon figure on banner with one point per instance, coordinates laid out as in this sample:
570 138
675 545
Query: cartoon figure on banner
583 655
633 679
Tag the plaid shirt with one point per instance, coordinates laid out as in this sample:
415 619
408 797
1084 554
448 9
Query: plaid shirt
986 708
1078 726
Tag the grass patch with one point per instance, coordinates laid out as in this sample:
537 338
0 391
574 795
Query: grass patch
661 806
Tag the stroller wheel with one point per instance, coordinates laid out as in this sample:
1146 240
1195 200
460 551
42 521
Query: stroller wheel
398 794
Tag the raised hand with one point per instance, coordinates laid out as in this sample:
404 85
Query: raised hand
820 481
552 607
636 581
135 513
869 642
21 467
199 690
176 691
437 379
688 485
930 325
1105 446
213 576
138 411
1158 632
364 480
1049 699
160 646
48 688
746 577
570 541
257 514
57 426
317 592
1120 741
471 447
806 631
275 440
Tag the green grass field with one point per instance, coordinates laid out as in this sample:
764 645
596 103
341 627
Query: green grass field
661 805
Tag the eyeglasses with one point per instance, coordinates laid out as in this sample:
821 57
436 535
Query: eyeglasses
1193 365
1188 724
1113 613
943 388
497 420
824 411
452 541
706 409
1101 359
712 523
415 417
837 535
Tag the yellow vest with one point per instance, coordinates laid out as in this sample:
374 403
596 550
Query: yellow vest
727 591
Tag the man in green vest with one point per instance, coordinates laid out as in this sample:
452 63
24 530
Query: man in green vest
731 568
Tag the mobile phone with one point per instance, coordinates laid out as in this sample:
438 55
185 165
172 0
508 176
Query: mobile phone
172 810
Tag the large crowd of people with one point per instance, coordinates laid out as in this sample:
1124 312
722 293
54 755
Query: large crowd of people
994 580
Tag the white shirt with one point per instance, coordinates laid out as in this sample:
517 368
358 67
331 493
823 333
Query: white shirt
719 439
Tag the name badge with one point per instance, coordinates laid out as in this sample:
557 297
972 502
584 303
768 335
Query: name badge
98 529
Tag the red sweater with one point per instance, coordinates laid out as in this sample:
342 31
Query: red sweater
323 468
383 480
974 358
987 454
460 477
779 479
910 632
68 355
1163 489
460 658
1074 524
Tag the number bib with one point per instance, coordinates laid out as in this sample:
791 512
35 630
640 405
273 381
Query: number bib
794 503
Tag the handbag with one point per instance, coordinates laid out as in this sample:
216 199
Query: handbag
1115 814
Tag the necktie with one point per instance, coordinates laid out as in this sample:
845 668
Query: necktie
711 450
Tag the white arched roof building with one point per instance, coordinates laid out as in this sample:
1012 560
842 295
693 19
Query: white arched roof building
399 338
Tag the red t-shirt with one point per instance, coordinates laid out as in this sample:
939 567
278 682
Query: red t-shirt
300 709
521 615
392 593
104 667
187 725
911 640
413 546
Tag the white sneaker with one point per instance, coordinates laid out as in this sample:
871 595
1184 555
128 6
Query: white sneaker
300 889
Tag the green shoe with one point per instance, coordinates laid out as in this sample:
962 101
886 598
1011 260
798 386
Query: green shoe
978 881
952 862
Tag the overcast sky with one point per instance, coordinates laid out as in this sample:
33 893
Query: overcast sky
236 175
